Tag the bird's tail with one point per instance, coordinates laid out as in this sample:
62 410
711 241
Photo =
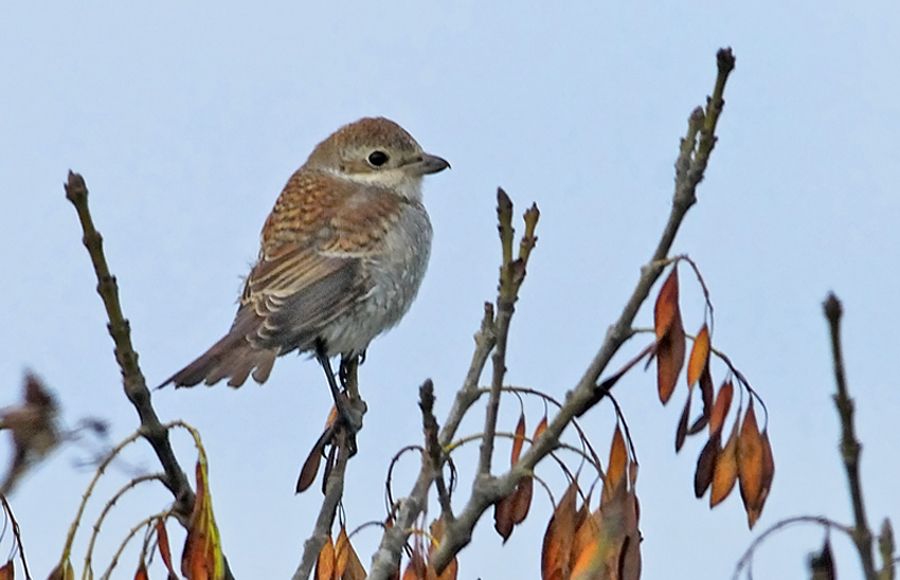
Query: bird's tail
233 357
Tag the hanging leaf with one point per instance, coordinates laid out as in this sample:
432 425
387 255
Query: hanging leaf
347 563
669 359
720 408
751 465
162 546
557 547
666 309
706 465
726 469
141 573
436 531
325 562
681 431
706 391
518 441
63 571
699 358
8 571
617 466
202 557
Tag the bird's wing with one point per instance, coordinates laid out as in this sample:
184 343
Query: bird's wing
312 267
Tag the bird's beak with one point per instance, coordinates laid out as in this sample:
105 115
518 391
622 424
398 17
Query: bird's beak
427 164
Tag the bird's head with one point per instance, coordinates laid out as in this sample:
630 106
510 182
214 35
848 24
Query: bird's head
376 151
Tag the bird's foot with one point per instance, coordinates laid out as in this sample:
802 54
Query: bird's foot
350 414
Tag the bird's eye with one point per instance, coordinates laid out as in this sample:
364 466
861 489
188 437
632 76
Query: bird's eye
378 158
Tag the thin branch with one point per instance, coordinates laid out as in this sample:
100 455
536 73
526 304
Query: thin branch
132 377
746 560
333 489
433 448
850 446
144 523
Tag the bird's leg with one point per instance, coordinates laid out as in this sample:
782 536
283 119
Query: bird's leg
348 415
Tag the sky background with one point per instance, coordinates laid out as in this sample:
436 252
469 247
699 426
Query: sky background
187 118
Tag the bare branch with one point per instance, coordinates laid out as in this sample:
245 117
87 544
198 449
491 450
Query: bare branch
850 446
690 168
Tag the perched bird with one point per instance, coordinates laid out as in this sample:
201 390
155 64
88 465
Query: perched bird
342 256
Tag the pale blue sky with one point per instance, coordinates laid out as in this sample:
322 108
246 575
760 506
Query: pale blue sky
187 120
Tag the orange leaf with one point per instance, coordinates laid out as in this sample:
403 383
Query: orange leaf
586 545
768 468
518 441
557 547
699 358
141 573
348 565
202 557
539 430
706 465
751 465
437 534
325 563
720 408
162 546
669 359
618 463
416 569
666 308
8 571
726 469
63 571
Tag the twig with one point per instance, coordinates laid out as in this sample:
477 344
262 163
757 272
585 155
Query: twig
690 168
131 533
433 447
17 535
334 490
747 559
106 509
132 377
850 446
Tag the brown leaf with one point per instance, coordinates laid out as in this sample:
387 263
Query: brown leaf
768 468
503 520
8 571
162 546
63 571
436 530
751 465
557 547
666 309
310 469
348 564
417 569
539 430
617 466
706 391
681 431
699 358
518 441
521 502
325 563
706 465
141 573
202 557
612 548
726 469
669 359
720 408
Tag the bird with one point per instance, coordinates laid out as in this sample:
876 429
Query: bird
342 255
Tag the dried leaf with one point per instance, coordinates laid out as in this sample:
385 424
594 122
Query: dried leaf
706 391
348 565
162 546
521 502
666 309
822 564
436 530
539 430
202 557
8 571
518 441
768 468
617 466
503 520
699 358
726 469
558 539
706 465
325 563
417 569
141 573
310 469
720 409
669 359
681 431
751 465
63 571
